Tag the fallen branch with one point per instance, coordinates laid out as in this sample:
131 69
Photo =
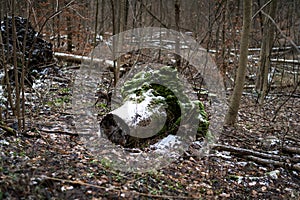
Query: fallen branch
274 162
9 130
59 132
118 190
294 150
288 137
61 80
247 153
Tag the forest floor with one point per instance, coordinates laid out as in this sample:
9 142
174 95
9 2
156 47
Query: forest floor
50 162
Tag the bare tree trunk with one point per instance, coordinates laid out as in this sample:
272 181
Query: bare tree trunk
114 40
58 23
118 28
6 77
96 23
126 10
113 16
265 52
1 10
121 28
15 63
102 28
69 34
2 62
177 28
24 68
240 78
140 14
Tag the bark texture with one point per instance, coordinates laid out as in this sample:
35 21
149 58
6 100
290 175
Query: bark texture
240 78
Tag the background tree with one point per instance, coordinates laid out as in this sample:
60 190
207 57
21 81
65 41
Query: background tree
96 22
177 28
265 52
216 25
16 66
240 78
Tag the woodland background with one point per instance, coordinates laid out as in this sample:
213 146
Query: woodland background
258 153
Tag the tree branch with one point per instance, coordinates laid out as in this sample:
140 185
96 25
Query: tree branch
7 129
264 158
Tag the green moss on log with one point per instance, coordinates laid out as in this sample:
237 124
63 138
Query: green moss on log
165 87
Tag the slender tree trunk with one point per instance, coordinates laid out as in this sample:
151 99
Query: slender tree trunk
102 28
140 14
1 11
69 34
266 47
177 28
5 57
96 23
15 61
24 69
224 39
113 16
121 28
240 78
2 61
126 9
58 24
116 27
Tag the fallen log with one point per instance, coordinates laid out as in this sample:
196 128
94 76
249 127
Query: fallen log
151 111
281 60
81 59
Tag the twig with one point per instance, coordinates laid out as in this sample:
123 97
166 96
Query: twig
59 132
285 101
152 15
266 4
117 190
281 32
55 14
